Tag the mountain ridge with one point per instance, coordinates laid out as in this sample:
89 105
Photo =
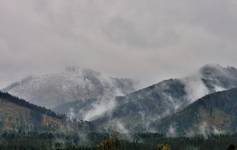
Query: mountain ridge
24 103
19 115
138 110
214 113
52 90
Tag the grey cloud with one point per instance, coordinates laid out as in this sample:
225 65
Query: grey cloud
124 32
148 40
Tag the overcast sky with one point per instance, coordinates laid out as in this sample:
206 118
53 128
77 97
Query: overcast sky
148 40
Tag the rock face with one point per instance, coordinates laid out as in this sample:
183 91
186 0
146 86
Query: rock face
137 111
53 90
19 115
212 114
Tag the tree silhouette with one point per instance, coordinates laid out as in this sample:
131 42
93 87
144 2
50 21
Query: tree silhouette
231 147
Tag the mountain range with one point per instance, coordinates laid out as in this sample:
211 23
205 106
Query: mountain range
136 112
113 104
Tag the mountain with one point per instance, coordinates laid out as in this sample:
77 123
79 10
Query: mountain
213 114
87 95
53 90
17 115
138 110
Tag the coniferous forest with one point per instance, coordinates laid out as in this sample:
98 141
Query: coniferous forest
95 141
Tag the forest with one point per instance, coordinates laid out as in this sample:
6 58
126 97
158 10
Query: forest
115 141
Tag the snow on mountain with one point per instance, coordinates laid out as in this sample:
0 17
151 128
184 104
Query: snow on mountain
213 114
209 79
92 96
138 110
74 84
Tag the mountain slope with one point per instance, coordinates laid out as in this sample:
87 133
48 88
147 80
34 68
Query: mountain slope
215 113
78 109
17 114
75 84
137 111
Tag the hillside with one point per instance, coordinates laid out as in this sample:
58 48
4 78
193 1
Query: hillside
19 115
212 114
137 111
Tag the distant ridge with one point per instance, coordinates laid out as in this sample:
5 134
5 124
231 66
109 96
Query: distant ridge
213 114
23 103
137 111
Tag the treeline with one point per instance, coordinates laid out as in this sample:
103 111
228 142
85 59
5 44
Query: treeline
95 141
21 102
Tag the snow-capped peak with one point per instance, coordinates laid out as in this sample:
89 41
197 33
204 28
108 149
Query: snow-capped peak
74 84
209 79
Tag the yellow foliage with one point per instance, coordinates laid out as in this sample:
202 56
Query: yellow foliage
166 147
163 147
